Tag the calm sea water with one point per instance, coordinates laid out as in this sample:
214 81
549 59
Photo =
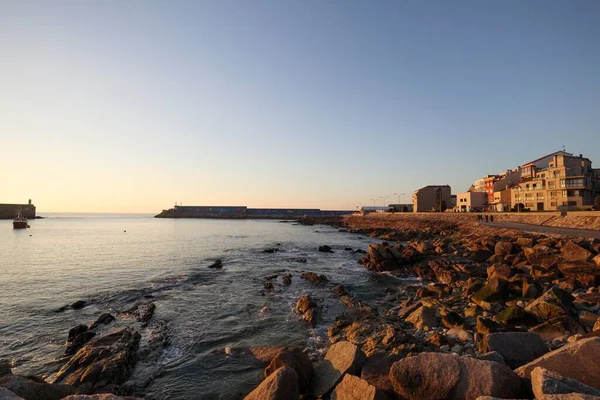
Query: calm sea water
116 261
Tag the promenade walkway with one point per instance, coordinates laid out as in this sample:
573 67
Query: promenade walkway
552 230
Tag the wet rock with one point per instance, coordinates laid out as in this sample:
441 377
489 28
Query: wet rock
268 285
343 357
280 385
554 303
304 304
76 331
296 359
287 279
376 371
217 264
587 273
425 376
485 378
339 290
354 388
105 319
516 348
571 251
544 382
35 390
6 394
423 318
319 280
146 313
74 344
266 354
79 304
5 368
270 250
577 360
325 249
557 327
103 364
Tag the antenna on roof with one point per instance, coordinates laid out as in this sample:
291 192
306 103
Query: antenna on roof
563 148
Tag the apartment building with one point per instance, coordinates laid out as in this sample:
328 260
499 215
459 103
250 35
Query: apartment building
557 179
471 201
432 198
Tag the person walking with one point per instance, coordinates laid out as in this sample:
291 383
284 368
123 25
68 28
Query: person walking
486 219
491 218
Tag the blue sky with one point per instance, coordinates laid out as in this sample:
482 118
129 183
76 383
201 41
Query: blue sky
132 105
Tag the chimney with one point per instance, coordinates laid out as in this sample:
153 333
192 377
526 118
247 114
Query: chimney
581 156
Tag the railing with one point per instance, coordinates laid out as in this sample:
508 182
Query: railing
530 189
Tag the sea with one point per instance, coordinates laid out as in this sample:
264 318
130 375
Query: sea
207 318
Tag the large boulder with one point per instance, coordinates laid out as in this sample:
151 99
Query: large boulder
343 357
426 376
485 378
296 359
587 273
571 251
517 348
280 385
557 327
577 360
376 371
354 388
542 257
554 303
544 382
503 248
494 291
35 390
6 394
103 364
266 354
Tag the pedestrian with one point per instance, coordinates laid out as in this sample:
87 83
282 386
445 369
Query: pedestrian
491 218
486 219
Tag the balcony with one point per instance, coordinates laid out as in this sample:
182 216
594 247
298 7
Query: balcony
531 189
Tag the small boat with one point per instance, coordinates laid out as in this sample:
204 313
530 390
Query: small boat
20 222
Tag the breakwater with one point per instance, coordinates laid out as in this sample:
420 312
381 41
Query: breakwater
10 211
243 212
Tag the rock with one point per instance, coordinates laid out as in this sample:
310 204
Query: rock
423 318
103 364
79 304
587 273
570 396
571 251
513 315
554 303
453 320
459 334
287 279
436 339
492 292
296 359
516 348
503 248
343 357
575 360
34 390
266 354
146 313
217 264
105 396
492 356
499 271
526 242
354 388
304 304
282 384
325 249
597 260
424 246
76 331
6 394
587 319
541 257
319 280
485 378
105 319
545 382
78 341
485 326
480 255
557 327
425 376
5 368
376 371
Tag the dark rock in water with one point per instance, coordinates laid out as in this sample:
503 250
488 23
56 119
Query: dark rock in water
280 385
78 341
340 290
343 357
271 277
304 304
516 348
216 265
266 354
317 279
287 279
311 316
105 319
103 364
269 285
4 368
348 248
30 389
325 249
79 304
359 251
146 313
76 331
61 309
296 359
271 250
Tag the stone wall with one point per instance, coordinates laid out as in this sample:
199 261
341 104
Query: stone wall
10 211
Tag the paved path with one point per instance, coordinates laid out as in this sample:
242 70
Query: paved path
589 233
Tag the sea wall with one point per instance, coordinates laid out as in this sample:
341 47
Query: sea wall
10 211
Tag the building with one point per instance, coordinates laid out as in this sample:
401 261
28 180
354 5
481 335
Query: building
471 201
436 198
10 211
557 180
401 207
371 209
502 201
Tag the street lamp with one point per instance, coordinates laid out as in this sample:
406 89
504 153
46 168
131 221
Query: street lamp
374 200
399 198
383 198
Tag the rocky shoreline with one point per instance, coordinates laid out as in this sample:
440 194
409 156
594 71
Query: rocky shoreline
480 312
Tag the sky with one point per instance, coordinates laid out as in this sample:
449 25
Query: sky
131 106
